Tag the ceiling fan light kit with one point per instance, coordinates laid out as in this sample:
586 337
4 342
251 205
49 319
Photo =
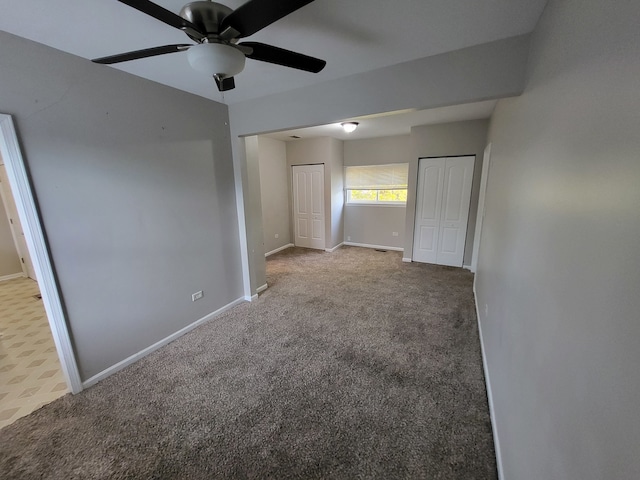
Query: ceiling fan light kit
216 59
216 28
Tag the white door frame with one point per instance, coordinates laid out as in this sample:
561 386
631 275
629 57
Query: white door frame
28 213
486 162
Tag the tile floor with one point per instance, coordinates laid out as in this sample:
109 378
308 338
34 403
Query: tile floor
30 373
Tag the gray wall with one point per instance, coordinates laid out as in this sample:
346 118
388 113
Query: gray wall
326 151
274 191
375 224
446 140
9 259
492 70
482 72
135 186
337 192
254 203
378 151
559 269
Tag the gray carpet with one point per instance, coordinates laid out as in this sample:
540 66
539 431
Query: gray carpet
351 365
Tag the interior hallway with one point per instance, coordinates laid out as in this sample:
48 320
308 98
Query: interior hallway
30 372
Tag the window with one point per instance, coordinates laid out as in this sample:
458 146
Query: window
377 184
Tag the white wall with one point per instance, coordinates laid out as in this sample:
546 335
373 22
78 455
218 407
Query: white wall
274 190
446 140
375 224
559 268
135 186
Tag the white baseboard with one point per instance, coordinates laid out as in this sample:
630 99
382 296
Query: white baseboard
406 260
467 267
13 276
487 379
262 288
331 250
380 247
284 247
251 298
143 353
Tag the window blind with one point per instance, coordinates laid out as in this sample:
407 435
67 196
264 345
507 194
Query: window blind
377 177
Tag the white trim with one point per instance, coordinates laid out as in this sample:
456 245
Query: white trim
467 267
380 247
34 235
406 260
251 298
331 250
262 288
13 276
284 247
143 353
487 378
376 204
477 236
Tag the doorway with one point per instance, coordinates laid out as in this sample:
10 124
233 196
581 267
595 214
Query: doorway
442 209
30 371
308 206
20 186
15 227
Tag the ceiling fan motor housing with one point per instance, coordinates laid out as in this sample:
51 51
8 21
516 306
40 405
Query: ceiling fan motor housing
205 15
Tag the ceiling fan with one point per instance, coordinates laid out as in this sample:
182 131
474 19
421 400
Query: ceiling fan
217 28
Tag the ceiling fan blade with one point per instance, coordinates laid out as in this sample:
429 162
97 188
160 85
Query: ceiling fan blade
257 14
225 84
165 16
147 52
286 58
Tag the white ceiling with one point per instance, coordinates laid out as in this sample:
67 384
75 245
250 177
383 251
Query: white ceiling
392 123
353 36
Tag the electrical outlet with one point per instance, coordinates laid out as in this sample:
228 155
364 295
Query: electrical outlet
395 234
348 239
277 235
197 296
486 310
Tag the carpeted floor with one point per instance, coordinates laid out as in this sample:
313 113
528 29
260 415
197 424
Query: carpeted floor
352 365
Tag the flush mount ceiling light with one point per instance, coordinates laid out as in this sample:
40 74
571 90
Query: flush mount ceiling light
349 126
